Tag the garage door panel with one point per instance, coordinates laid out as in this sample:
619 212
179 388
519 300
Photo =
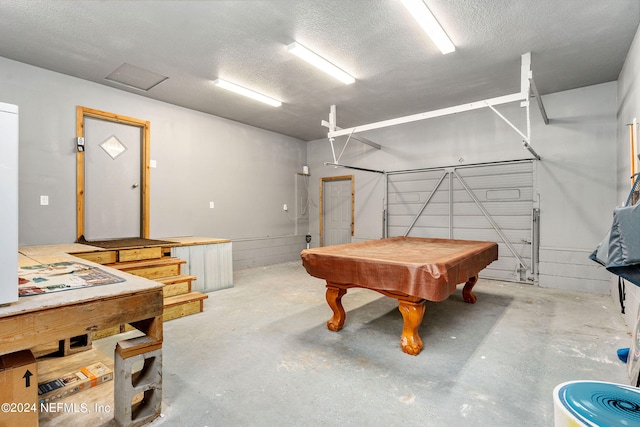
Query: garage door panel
510 179
417 185
434 232
408 176
495 208
505 193
487 183
430 221
516 237
418 197
504 222
414 208
495 170
433 221
484 194
502 269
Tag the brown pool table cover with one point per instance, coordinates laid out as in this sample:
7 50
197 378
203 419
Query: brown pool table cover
427 268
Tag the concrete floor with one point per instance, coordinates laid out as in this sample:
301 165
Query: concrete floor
261 355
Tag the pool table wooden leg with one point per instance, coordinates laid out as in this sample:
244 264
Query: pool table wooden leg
412 313
467 294
334 299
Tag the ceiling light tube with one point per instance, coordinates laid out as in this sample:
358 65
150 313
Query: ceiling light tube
429 24
246 92
320 63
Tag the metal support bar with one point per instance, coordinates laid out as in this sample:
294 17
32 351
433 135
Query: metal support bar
491 221
525 137
352 167
525 73
385 210
332 118
531 150
528 108
450 205
536 95
424 205
431 114
523 95
357 138
332 127
344 147
535 241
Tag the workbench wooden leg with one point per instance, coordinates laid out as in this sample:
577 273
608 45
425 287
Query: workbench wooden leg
412 313
334 299
467 294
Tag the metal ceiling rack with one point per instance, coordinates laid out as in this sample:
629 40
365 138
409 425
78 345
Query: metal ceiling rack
528 89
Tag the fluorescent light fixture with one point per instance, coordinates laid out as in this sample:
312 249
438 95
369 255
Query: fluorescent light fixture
246 92
320 63
429 24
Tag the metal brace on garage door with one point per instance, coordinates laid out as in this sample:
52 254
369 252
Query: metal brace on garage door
502 193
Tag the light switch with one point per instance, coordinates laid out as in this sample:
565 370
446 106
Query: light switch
211 205
44 200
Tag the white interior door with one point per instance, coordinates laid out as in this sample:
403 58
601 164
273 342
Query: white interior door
336 211
112 180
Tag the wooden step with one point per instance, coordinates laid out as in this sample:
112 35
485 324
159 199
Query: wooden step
151 269
176 285
99 257
138 254
183 305
112 256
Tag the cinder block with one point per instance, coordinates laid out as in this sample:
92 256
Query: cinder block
137 388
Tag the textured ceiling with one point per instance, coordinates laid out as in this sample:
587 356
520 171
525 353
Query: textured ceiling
398 71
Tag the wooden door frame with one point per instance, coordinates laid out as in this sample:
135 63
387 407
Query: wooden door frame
336 178
81 114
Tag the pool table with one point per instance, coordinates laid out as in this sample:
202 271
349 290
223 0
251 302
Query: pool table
410 269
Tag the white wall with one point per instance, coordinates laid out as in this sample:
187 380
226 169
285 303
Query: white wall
575 179
248 172
628 108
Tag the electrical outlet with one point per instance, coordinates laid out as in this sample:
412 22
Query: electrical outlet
211 205
284 207
44 200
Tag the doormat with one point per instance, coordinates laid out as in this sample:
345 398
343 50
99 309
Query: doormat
61 276
133 242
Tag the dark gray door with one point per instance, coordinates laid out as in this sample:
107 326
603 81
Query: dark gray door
112 180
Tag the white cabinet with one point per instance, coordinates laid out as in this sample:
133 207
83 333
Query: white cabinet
8 203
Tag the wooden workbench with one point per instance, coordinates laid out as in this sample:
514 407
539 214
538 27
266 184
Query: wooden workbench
41 319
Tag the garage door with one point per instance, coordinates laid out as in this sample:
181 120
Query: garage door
493 202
